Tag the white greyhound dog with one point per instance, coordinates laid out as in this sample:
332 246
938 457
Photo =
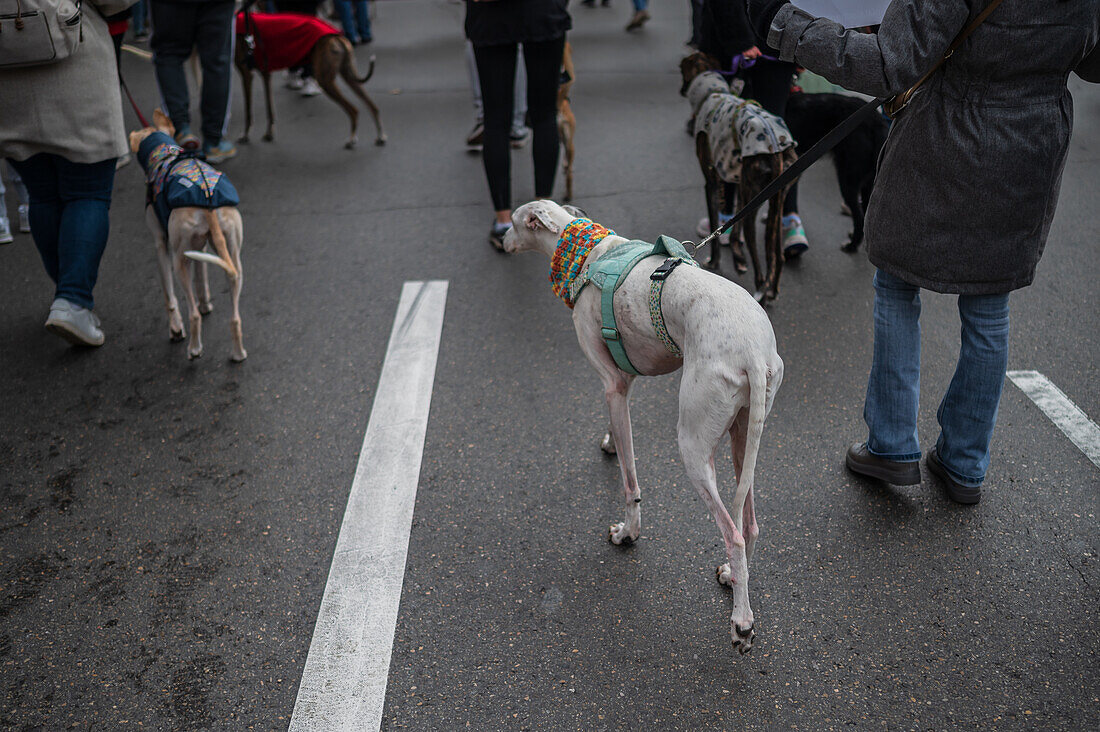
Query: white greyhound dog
731 374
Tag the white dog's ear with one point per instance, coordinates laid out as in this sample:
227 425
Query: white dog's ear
539 217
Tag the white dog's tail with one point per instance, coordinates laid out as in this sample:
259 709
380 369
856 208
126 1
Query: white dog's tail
218 237
758 392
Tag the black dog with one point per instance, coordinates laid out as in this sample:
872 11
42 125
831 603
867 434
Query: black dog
810 117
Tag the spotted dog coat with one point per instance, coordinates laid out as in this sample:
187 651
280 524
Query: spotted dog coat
735 128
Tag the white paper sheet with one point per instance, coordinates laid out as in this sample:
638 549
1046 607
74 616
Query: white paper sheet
849 13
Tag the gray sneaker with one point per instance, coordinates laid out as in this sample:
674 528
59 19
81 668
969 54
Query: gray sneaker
5 231
76 324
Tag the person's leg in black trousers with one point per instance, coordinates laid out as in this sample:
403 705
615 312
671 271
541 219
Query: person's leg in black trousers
173 38
214 42
543 62
496 70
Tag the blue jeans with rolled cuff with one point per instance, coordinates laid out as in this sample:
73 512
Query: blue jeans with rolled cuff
69 205
968 411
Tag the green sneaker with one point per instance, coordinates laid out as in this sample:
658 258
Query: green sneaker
219 153
794 237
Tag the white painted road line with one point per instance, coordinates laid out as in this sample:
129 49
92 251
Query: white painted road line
1066 415
344 682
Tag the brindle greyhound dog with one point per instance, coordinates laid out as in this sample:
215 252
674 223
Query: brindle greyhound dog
756 171
332 56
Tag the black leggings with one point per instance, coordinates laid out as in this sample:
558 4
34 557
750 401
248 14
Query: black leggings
496 68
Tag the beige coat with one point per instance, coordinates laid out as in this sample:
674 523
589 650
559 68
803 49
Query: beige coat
72 108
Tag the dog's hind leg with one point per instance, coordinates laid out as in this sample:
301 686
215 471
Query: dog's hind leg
328 83
234 233
709 403
773 244
736 240
748 228
347 71
164 261
202 282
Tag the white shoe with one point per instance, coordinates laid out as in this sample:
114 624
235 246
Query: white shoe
24 218
5 232
76 324
294 80
703 231
310 88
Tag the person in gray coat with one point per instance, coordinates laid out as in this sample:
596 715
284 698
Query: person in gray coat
966 189
61 129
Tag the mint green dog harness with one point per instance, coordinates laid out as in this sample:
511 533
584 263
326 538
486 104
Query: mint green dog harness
610 271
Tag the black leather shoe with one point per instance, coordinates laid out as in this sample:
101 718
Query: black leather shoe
957 492
860 460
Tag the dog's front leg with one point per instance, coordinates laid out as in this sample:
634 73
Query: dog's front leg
246 88
202 282
616 387
164 260
617 393
183 271
270 134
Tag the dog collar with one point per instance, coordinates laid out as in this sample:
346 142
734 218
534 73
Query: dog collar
579 238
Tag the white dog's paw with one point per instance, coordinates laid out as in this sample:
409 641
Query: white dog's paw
175 334
618 534
743 637
205 308
607 444
724 575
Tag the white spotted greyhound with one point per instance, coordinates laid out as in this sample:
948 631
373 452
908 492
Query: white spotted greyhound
731 374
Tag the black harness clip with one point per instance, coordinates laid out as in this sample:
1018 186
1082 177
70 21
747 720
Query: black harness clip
665 269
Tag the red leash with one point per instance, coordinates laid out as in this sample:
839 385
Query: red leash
137 110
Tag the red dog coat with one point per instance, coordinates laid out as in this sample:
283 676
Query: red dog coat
283 40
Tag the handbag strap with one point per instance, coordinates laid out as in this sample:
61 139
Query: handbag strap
897 103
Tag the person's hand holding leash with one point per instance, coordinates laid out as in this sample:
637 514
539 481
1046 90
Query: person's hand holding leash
752 53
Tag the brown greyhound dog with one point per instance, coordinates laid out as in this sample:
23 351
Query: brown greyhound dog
567 123
331 56
727 130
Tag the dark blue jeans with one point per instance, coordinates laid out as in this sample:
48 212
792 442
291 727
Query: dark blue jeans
207 27
69 220
968 410
357 25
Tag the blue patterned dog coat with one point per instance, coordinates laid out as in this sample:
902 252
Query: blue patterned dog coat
175 178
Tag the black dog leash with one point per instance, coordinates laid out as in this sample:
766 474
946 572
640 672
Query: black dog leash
789 175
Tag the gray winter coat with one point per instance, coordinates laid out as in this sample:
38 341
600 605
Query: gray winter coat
969 177
72 108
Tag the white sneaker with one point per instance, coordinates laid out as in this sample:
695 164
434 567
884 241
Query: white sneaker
24 218
310 88
76 324
5 232
294 80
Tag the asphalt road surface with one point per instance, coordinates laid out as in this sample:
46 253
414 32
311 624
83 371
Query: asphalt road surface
167 527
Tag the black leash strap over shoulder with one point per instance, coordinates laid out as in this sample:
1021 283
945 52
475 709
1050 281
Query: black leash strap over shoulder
789 175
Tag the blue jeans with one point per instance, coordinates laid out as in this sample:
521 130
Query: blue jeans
140 16
356 28
69 221
641 4
968 410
